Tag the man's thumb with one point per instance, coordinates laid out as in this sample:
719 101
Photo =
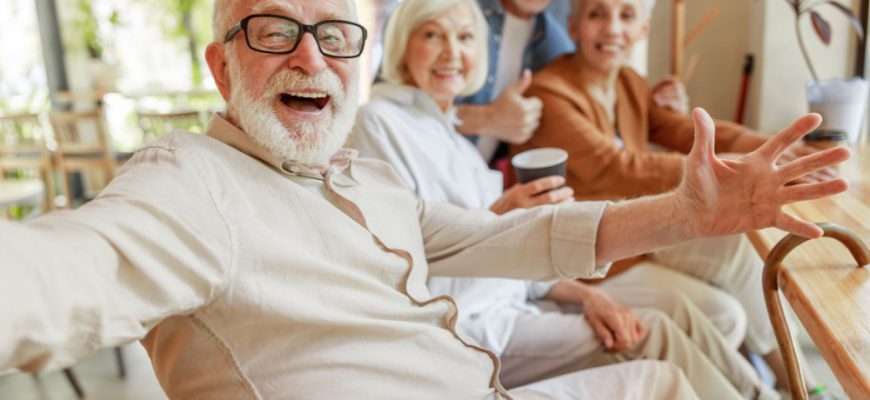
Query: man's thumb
523 83
705 132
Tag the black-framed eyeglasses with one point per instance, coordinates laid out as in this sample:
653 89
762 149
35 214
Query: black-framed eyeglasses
276 34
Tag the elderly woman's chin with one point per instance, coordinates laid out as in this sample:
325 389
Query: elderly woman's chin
442 88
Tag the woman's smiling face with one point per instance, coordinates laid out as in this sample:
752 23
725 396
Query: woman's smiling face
605 32
441 54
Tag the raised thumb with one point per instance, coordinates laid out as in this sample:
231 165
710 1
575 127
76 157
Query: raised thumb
705 132
523 83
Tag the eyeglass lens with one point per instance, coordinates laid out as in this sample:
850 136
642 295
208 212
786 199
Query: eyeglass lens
279 35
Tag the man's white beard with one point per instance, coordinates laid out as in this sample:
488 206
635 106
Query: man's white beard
304 142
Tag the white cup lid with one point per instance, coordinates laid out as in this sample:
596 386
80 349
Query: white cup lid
539 158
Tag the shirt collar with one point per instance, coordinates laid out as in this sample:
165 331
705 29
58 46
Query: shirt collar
221 129
413 97
491 6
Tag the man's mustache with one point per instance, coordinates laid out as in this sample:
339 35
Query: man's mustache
326 81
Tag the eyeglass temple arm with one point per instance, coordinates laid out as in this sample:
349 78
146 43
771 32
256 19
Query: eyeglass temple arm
232 32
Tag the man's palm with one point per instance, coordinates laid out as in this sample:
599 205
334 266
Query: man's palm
731 196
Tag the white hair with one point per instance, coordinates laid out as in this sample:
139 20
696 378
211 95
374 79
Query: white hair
222 17
410 15
646 10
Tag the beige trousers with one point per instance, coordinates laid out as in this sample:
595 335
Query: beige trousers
713 273
637 380
555 343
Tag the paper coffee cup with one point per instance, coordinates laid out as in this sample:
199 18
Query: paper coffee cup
825 138
539 163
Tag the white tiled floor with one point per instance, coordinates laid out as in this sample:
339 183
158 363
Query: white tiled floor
99 378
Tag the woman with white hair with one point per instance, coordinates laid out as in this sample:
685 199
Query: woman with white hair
604 114
434 52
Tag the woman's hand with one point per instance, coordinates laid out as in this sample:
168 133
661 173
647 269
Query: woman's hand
535 193
615 324
671 93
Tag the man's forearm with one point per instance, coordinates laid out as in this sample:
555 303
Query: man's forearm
638 226
475 118
568 292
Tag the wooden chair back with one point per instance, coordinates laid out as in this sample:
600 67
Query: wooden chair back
155 125
82 146
24 152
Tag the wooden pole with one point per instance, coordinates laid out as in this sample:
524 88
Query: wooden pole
678 27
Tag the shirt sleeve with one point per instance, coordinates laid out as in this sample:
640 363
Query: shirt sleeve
537 290
373 138
542 243
152 245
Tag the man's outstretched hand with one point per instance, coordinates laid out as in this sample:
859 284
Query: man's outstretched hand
721 197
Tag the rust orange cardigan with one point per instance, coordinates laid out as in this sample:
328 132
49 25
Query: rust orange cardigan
597 168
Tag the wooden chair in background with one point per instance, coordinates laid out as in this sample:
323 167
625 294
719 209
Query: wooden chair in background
82 146
24 153
155 125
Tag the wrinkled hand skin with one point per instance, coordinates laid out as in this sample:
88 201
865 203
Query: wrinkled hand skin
671 93
548 190
614 324
721 197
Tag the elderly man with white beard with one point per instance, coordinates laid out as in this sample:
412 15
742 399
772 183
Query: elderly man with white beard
260 261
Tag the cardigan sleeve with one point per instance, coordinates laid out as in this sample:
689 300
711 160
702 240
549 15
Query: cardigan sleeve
676 131
597 168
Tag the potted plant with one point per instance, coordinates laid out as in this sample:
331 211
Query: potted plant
842 103
103 72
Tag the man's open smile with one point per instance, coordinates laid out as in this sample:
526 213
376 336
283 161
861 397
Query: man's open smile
305 101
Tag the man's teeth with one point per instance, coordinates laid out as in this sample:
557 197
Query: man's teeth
309 95
610 47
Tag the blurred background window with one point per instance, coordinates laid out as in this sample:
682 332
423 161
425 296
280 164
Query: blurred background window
23 85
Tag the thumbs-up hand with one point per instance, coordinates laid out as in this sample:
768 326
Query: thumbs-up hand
515 117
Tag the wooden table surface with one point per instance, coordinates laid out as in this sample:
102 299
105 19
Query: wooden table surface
822 283
20 191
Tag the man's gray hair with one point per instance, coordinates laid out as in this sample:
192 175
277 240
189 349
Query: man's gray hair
222 17
646 9
410 15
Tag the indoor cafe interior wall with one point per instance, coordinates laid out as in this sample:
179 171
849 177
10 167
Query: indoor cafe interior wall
764 28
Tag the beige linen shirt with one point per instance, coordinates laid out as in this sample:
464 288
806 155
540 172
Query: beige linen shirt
248 277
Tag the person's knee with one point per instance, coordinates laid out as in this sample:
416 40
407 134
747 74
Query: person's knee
661 329
728 316
663 374
673 302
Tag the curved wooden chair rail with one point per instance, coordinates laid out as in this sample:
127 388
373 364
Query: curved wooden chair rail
772 267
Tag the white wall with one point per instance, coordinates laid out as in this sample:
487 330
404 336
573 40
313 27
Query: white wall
764 28
721 49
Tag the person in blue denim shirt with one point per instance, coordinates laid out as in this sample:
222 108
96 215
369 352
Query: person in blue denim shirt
525 36
499 111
